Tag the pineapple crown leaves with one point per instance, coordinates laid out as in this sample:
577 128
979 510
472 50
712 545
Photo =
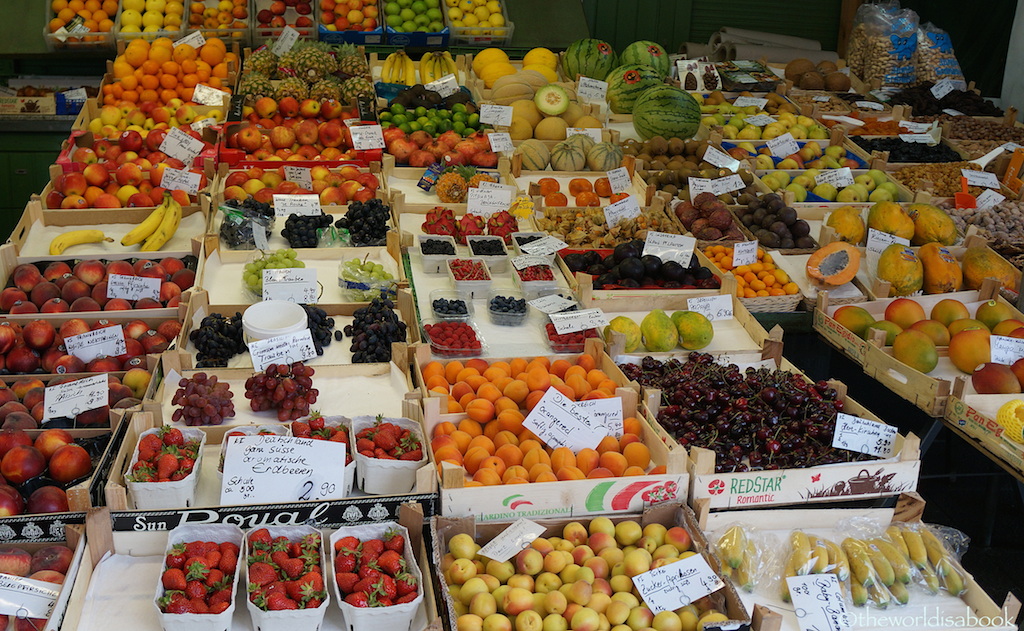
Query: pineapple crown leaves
466 171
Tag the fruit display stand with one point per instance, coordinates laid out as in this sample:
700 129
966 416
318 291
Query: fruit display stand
261 32
582 285
529 181
73 536
656 217
904 194
238 159
376 62
120 568
973 416
765 304
89 41
87 139
482 35
795 265
668 514
407 197
335 353
974 610
92 108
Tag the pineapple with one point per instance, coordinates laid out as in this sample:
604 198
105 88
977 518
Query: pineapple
452 188
256 85
353 87
326 90
474 181
294 87
263 61
352 63
312 63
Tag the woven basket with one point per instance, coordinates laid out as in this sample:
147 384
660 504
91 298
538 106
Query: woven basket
772 304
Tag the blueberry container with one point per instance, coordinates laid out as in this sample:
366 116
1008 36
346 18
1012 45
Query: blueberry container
449 296
503 317
434 263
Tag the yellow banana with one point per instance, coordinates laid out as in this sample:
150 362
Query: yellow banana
859 594
896 536
408 70
883 569
789 571
899 592
880 595
744 574
899 563
860 564
148 225
837 560
931 581
733 545
915 545
801 557
75 237
426 71
934 548
387 72
951 579
819 555
449 65
166 229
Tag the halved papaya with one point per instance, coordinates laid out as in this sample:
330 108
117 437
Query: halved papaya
834 264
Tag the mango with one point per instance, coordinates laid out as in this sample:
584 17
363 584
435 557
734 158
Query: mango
627 327
948 310
993 378
891 330
969 349
658 332
933 329
695 331
904 312
963 324
992 312
915 349
855 318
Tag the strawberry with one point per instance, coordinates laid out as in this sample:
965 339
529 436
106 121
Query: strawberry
187 464
347 542
314 579
364 585
370 571
372 549
175 603
199 605
358 599
195 549
196 569
394 540
277 587
229 546
176 557
313 602
172 436
300 429
279 557
292 568
142 472
391 562
195 589
221 595
149 446
166 465
214 577
406 598
213 557
278 602
386 587
228 562
178 475
346 581
385 440
219 607
345 561
415 455
262 573
364 444
260 536
384 601
405 583
173 579
316 421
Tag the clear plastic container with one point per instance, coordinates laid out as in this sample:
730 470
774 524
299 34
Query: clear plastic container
470 288
450 295
495 262
533 288
506 318
454 351
435 263
560 344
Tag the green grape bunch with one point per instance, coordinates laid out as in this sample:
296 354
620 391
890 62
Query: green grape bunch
252 276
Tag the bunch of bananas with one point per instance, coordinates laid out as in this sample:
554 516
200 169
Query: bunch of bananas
433 66
158 228
399 68
814 555
67 239
922 548
740 556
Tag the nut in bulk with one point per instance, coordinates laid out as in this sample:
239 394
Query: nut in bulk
943 178
1001 225
962 127
974 149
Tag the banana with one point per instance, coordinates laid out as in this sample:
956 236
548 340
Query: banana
166 230
789 571
148 225
896 536
860 564
859 594
837 560
733 546
936 551
915 546
880 595
744 574
449 64
388 72
801 557
899 563
819 555
408 70
931 581
65 240
882 566
951 579
427 68
899 592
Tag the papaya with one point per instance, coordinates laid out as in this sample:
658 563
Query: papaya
695 330
659 332
931 225
627 327
848 224
942 273
900 266
890 217
980 263
834 264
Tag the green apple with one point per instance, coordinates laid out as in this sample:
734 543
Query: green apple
880 194
825 191
799 192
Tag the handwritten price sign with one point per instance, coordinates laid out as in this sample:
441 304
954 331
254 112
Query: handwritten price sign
678 584
864 436
282 469
72 398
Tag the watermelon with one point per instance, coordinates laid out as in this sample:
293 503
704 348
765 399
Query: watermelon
626 83
588 57
649 54
667 111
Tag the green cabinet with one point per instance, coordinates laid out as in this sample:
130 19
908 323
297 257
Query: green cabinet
25 159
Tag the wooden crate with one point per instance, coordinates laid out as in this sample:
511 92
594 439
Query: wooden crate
974 414
74 537
406 197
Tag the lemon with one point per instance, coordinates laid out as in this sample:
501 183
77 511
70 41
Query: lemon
496 19
467 6
451 3
152 18
174 8
457 23
481 13
131 17
134 5
470 20
479 3
493 6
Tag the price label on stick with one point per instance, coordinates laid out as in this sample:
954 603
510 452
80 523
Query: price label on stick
744 253
619 180
180 180
712 155
759 121
306 205
202 124
838 178
285 41
593 132
500 141
551 304
78 94
498 115
952 112
670 247
616 213
97 343
1006 350
295 284
878 240
487 201
988 199
941 88
282 349
528 260
783 145
678 584
916 128
698 185
603 414
869 105
818 602
445 86
512 540
195 40
591 90
712 307
980 178
367 137
262 469
821 98
557 422
72 398
727 184
259 236
747 101
180 145
133 287
27 598
572 321
205 95
864 436
300 175
544 246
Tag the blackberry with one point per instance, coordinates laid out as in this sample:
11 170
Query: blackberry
366 222
487 247
217 340
527 238
302 231
437 246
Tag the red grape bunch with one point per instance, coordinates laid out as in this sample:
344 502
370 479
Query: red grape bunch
287 389
203 401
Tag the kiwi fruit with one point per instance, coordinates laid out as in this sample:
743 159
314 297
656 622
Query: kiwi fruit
677 146
799 67
658 145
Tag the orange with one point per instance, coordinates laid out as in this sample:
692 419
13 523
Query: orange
637 455
505 437
487 477
484 443
462 440
135 56
170 67
516 472
129 82
535 456
600 472
633 425
614 462
183 52
212 55
169 82
562 457
570 473
452 370
494 463
517 391
131 95
510 455
55 24
471 427
149 95
587 459
473 458
480 410
159 54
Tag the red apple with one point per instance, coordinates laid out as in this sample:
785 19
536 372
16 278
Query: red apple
130 140
249 139
71 184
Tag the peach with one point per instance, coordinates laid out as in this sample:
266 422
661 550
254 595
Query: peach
575 533
679 538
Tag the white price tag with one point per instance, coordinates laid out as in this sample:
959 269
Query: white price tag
259 236
205 95
498 115
551 304
203 123
180 180
285 41
678 584
952 112
27 598
195 40
727 184
783 145
487 201
78 94
747 101
1006 350
744 253
572 321
941 88
915 128
698 185
988 199
759 121
282 349
133 287
544 246
878 240
295 284
445 86
528 260
821 98
96 343
366 137
619 180
496 186
591 90
869 105
861 435
836 177
621 210
305 205
557 422
818 601
593 132
924 139
300 175
72 398
980 178
670 247
500 141
1009 146
512 540
603 414
712 307
180 145
712 155
271 468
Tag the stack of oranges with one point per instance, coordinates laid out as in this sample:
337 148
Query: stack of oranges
98 16
756 280
492 444
160 71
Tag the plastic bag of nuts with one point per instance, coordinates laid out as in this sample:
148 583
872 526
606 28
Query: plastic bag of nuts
935 59
883 43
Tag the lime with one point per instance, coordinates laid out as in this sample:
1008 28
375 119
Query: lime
430 128
461 117
385 116
406 127
459 107
400 120
459 127
474 120
415 126
398 108
420 111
